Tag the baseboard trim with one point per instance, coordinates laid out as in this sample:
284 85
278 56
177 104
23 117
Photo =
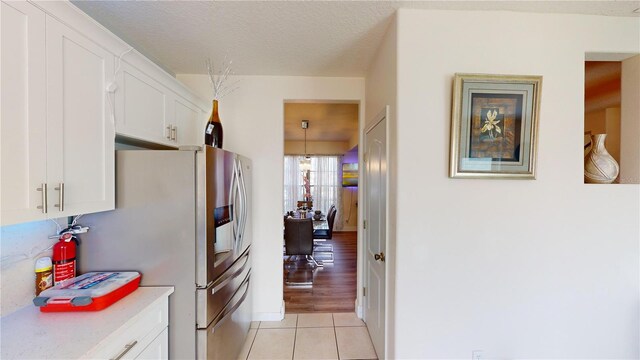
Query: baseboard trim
270 316
358 310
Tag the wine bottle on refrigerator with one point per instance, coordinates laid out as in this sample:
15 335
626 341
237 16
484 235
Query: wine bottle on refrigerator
213 130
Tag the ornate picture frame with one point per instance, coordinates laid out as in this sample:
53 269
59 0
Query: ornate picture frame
494 126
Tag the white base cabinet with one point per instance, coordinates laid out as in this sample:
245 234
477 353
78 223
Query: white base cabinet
158 349
139 339
135 327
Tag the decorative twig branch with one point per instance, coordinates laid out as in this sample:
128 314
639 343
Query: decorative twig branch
219 82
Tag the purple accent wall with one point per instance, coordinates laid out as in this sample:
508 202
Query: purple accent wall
350 196
350 156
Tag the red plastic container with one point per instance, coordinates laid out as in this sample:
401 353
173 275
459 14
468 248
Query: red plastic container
89 292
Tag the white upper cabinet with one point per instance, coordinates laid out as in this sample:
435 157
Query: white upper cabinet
57 135
189 122
150 110
141 106
23 113
62 103
80 132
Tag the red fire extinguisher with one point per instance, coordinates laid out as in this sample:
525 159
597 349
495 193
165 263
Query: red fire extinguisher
64 259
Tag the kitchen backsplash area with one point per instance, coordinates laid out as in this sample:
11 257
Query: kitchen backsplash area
20 246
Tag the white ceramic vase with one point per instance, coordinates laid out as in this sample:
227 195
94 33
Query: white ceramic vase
599 166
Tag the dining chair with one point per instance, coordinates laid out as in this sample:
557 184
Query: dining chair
298 240
325 251
323 235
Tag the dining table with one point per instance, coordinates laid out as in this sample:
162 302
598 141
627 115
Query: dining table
318 225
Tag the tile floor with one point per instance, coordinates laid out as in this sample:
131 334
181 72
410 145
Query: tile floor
309 336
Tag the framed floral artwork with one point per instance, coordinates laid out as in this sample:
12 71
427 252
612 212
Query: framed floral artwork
494 126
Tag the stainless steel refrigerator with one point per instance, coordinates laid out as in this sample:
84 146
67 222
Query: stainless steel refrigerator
182 218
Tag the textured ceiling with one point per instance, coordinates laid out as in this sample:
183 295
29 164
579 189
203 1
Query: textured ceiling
311 38
327 122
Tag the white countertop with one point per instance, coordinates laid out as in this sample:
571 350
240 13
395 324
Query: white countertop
31 334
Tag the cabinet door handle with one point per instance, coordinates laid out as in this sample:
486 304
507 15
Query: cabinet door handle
174 133
43 188
169 132
60 203
126 349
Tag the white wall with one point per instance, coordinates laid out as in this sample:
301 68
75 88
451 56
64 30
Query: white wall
381 90
253 122
20 246
630 121
612 124
546 268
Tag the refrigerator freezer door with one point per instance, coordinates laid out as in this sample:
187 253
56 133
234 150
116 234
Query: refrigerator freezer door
223 339
211 301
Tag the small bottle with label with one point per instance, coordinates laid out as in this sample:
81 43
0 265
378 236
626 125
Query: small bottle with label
213 129
44 274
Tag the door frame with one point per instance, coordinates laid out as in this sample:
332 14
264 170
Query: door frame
359 239
382 115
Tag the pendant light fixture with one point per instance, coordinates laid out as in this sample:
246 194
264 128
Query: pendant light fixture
305 163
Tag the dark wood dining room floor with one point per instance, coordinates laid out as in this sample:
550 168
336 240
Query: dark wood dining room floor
334 285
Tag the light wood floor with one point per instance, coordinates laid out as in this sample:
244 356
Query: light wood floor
334 285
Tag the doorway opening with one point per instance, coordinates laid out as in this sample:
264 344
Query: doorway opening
321 174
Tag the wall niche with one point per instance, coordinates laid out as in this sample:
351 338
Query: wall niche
611 107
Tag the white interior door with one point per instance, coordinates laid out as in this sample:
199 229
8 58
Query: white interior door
375 211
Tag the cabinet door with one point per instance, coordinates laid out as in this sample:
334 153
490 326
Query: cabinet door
142 106
23 113
136 336
80 131
158 349
189 122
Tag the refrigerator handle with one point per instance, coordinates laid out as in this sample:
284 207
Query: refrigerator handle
232 201
222 282
237 205
243 192
230 309
243 205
